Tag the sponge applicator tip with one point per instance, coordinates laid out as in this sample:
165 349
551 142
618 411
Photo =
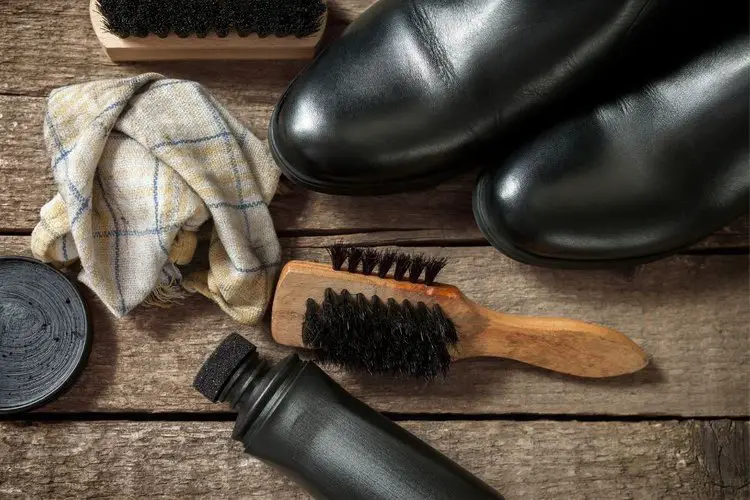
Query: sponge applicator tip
218 369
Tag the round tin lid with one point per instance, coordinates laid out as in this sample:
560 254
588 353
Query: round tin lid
45 334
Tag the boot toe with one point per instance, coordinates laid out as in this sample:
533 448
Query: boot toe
302 137
621 185
354 121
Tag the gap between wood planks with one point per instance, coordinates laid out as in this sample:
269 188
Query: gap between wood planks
406 238
42 416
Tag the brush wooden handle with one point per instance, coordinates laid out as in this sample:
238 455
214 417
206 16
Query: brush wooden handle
559 344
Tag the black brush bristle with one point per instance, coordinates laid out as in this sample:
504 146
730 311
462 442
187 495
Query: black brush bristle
338 253
387 259
366 334
355 256
418 263
432 268
370 259
406 266
184 18
403 262
446 328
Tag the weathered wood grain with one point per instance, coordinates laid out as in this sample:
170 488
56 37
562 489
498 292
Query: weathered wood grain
723 448
30 71
541 460
689 313
25 175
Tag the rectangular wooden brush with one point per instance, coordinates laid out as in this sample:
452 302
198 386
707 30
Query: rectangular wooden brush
151 30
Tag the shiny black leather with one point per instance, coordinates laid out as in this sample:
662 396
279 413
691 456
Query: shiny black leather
415 88
636 179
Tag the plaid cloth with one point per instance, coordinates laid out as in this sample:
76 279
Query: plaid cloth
140 163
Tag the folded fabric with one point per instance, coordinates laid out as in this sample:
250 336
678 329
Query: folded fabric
140 164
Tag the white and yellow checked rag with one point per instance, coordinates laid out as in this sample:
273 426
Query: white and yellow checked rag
140 163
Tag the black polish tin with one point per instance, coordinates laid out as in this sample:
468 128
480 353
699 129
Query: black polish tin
45 334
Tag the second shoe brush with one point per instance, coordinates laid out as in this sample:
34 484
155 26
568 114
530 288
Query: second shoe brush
358 314
154 30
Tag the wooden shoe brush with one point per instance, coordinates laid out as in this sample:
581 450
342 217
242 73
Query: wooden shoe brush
357 315
153 30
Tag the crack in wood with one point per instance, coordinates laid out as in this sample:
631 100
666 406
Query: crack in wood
721 448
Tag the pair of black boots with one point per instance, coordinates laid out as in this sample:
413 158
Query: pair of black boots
611 131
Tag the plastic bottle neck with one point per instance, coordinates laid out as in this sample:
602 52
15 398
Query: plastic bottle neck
258 385
245 378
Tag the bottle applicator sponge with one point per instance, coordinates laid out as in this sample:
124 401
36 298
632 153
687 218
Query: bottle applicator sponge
219 367
142 30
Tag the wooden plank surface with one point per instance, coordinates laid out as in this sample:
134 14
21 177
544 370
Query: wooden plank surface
689 313
249 90
542 459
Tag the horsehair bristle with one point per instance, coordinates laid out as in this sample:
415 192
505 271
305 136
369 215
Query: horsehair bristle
369 261
415 268
403 261
139 18
355 256
338 253
357 333
407 267
387 259
432 268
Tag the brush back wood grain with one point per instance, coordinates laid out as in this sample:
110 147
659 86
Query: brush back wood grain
560 344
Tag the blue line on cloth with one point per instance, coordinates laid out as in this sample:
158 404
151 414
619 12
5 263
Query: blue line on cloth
81 209
135 232
117 246
233 162
238 206
189 141
256 268
156 205
77 194
63 155
65 247
109 108
66 152
245 135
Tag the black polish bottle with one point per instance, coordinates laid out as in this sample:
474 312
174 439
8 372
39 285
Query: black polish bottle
295 417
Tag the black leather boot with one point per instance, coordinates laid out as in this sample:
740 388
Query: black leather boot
415 89
634 180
